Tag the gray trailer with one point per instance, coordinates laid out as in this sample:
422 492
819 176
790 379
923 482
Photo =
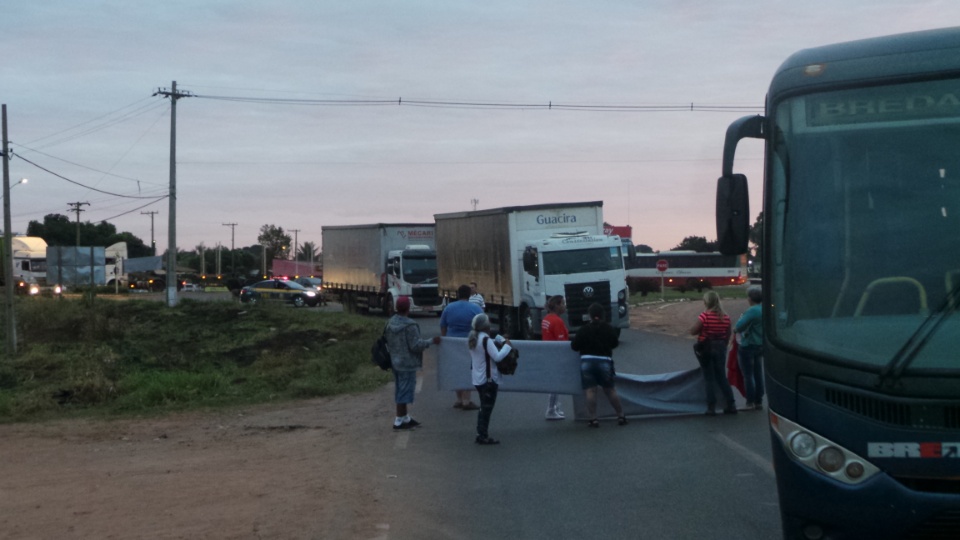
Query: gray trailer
367 267
520 256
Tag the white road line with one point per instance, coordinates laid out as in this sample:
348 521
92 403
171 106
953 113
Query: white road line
419 384
747 454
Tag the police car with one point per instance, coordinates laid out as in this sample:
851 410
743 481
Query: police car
282 290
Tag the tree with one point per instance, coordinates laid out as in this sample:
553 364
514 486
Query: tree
696 243
756 236
276 241
308 252
643 248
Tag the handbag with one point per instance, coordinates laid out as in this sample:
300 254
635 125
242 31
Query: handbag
701 349
379 353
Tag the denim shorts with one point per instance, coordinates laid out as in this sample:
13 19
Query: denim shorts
596 373
406 384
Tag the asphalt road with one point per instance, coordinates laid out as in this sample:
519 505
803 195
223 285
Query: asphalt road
672 477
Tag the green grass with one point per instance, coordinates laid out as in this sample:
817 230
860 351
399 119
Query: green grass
77 357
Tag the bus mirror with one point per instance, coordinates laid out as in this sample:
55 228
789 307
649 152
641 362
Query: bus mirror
733 214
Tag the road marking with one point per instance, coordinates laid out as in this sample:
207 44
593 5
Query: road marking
419 384
747 454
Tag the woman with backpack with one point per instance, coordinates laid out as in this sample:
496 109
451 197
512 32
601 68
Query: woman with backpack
485 356
713 329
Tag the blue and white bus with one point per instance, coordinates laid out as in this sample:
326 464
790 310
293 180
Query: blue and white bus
861 271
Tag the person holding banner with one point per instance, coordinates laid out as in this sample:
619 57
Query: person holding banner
595 342
552 328
484 356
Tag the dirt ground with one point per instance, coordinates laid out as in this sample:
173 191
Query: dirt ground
291 471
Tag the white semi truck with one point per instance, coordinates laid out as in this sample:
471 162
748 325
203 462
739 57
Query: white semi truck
369 266
522 255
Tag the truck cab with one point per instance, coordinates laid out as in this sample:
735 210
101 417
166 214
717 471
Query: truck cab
412 272
584 269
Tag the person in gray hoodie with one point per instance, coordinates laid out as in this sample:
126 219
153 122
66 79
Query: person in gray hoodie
406 357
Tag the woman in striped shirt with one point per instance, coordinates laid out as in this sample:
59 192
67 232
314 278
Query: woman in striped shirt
713 326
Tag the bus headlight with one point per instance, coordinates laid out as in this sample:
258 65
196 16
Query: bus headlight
830 459
803 444
819 454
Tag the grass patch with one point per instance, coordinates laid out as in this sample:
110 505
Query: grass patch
673 295
78 357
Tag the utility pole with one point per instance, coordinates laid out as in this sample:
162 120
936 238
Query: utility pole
11 326
474 202
75 207
153 243
233 256
172 234
295 232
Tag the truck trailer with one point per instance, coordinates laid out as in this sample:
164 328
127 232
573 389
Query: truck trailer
522 255
367 267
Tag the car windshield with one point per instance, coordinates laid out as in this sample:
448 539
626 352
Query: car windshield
865 193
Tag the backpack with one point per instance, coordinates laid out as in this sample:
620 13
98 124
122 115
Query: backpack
379 353
508 365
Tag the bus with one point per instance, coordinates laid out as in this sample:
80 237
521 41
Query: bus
861 277
687 270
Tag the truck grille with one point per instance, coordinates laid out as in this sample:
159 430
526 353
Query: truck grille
579 296
426 296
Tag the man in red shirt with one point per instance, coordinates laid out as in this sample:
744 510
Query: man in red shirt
552 328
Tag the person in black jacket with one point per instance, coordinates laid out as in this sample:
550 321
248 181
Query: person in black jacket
595 342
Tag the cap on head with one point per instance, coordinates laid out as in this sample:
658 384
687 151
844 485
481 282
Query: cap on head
403 304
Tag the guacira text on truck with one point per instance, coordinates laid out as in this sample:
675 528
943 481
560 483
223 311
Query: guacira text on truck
520 256
861 271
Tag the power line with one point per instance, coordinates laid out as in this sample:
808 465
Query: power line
685 107
79 184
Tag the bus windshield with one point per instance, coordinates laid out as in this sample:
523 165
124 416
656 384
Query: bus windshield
865 203
580 261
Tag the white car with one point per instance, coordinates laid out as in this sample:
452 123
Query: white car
191 287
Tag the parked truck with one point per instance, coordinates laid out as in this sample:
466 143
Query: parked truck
369 266
520 256
29 265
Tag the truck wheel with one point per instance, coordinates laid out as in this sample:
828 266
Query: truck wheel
388 306
298 301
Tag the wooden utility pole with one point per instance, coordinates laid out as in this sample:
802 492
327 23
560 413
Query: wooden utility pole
11 321
75 207
171 275
153 243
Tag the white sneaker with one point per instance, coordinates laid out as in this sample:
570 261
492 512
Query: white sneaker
554 414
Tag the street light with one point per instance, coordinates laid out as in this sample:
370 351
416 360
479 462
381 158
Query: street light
21 181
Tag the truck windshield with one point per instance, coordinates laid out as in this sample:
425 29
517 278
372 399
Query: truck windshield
865 204
419 269
580 261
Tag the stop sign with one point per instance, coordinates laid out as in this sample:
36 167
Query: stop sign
662 265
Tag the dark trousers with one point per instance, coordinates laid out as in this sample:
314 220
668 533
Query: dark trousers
488 398
714 368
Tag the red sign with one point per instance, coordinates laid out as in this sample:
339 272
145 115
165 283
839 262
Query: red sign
662 265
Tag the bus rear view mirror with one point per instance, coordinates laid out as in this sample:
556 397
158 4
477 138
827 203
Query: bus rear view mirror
733 214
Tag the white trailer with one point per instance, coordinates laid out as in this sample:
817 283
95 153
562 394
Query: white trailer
522 255
370 266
